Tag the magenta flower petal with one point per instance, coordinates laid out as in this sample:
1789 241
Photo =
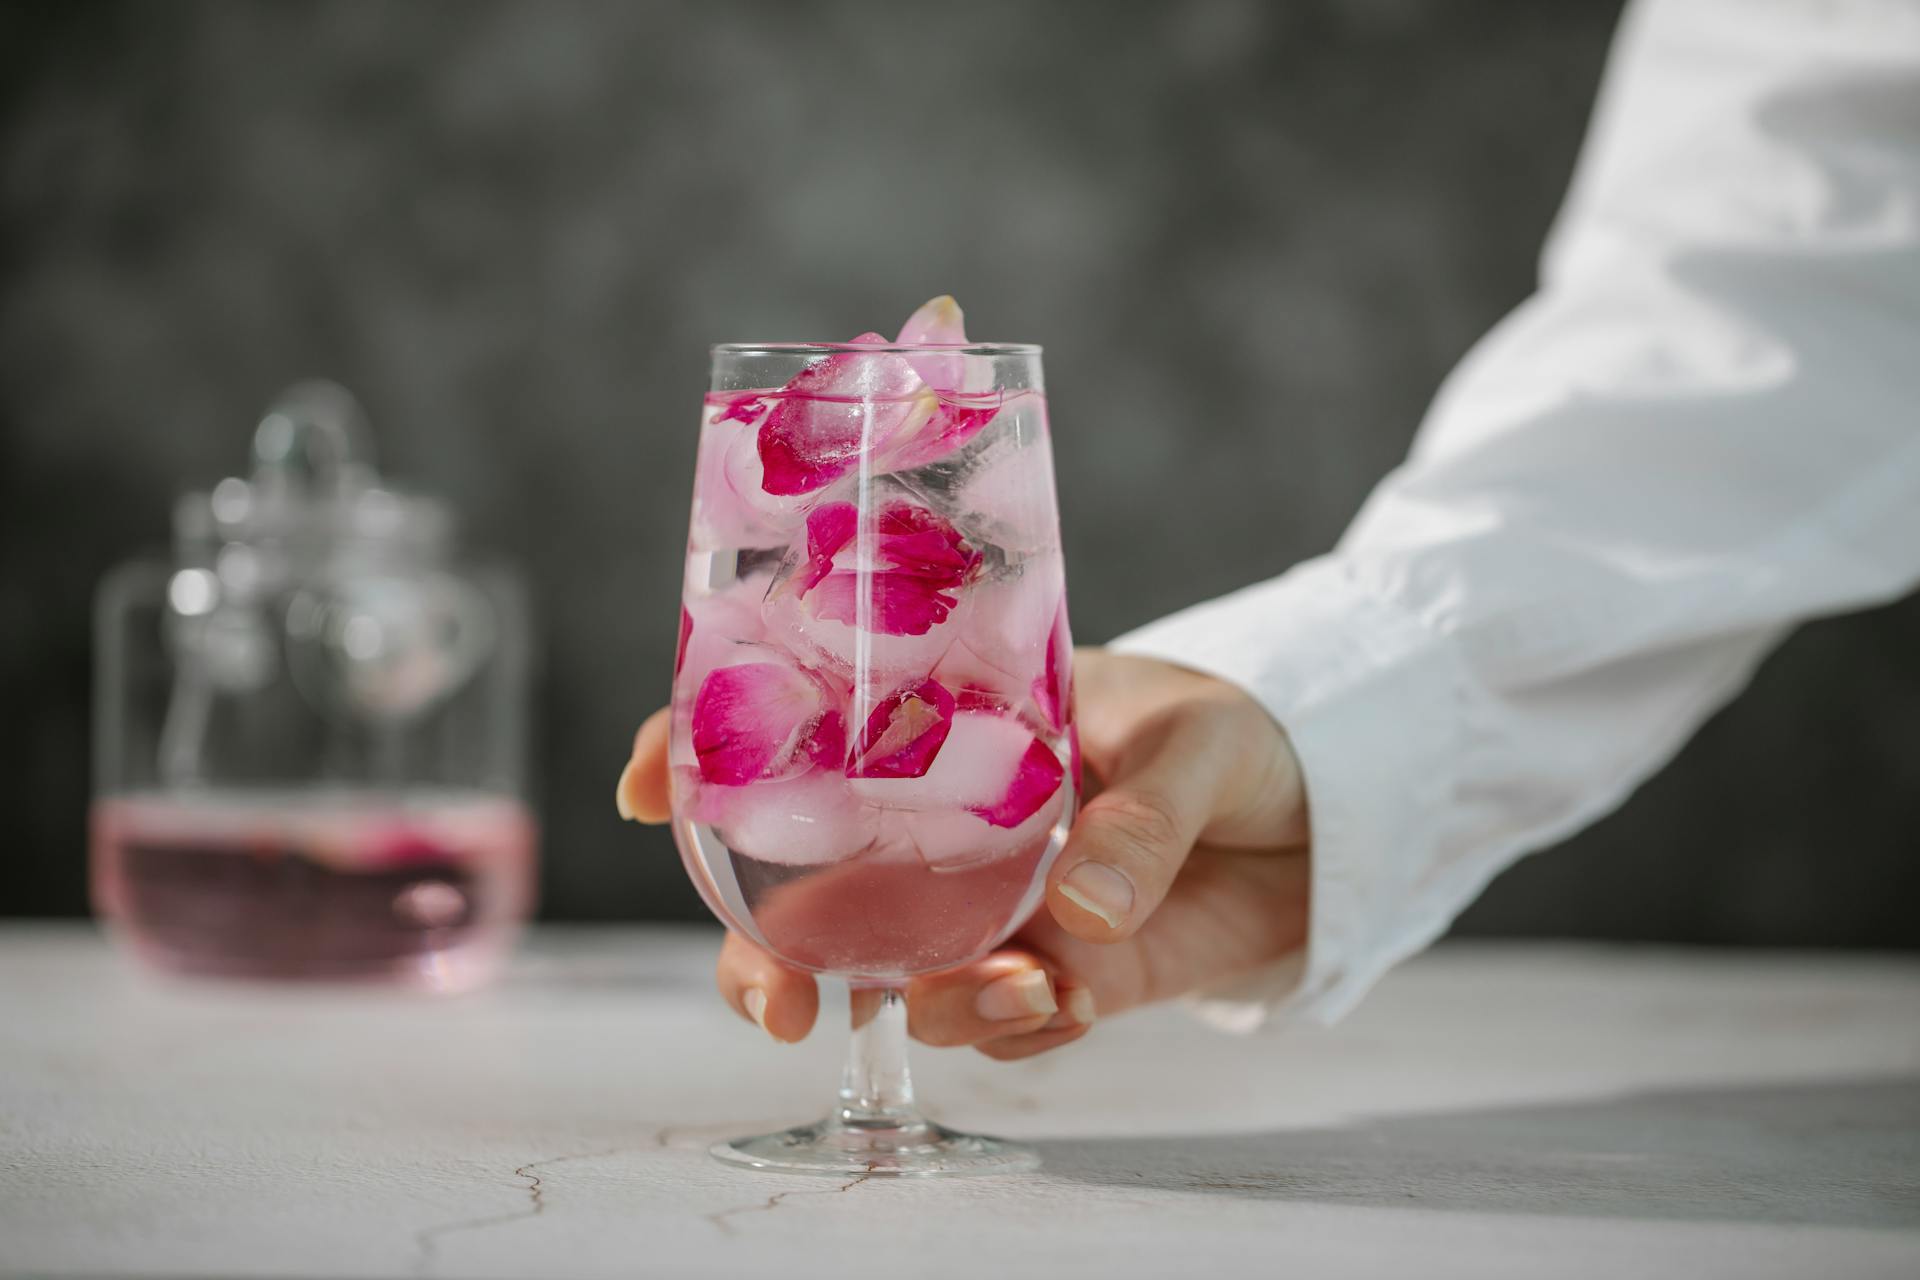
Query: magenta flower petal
1034 782
919 563
974 698
830 527
737 408
940 320
904 733
686 634
1053 689
750 720
947 430
826 746
835 408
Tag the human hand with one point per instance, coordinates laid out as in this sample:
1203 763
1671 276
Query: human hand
1187 866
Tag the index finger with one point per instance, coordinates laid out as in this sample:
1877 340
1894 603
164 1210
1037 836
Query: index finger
641 795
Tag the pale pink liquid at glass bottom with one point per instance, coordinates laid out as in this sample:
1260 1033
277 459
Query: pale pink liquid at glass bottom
841 876
427 890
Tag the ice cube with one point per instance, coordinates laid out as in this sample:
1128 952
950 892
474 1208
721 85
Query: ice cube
882 662
976 766
840 408
809 820
879 593
1004 491
1003 641
949 839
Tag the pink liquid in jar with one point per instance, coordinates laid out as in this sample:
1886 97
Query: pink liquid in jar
428 889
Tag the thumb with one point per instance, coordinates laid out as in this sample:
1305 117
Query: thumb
1131 840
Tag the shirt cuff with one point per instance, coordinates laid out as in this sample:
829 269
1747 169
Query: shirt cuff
1372 700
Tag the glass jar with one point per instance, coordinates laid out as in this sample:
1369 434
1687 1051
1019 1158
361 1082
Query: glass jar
310 728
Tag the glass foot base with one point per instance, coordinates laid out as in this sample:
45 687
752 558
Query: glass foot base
918 1150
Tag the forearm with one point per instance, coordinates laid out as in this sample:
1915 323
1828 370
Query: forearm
1700 431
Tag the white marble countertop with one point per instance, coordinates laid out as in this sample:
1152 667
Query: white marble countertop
1511 1110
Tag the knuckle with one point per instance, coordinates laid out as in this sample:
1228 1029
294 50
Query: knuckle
1144 823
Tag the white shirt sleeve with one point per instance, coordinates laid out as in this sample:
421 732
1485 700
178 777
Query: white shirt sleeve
1703 428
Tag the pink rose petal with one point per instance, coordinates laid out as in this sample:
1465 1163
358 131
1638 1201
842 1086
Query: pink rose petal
686 634
751 720
826 746
985 766
746 407
724 628
919 562
1053 688
835 408
834 648
830 527
953 839
938 321
730 509
973 698
1035 781
904 733
945 431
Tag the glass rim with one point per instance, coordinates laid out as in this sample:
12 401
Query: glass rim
875 348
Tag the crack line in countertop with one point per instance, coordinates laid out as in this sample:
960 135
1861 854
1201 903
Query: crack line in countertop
427 1240
775 1200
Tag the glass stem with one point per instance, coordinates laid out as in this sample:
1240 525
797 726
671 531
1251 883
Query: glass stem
876 1089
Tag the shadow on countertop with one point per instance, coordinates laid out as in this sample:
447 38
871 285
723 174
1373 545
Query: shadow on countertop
1842 1153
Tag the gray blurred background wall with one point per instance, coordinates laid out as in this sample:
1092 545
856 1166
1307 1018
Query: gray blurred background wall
1253 237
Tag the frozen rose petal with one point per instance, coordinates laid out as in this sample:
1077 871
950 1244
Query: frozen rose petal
686 634
1074 760
730 509
746 407
906 586
904 733
975 769
724 628
939 321
976 698
829 647
1035 781
750 720
830 527
826 746
809 820
951 839
1053 688
946 430
833 410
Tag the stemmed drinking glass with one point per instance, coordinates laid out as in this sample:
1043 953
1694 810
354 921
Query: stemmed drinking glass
872 748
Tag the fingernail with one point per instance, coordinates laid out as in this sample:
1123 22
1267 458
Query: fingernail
620 797
756 1002
1018 995
1101 889
1080 1006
